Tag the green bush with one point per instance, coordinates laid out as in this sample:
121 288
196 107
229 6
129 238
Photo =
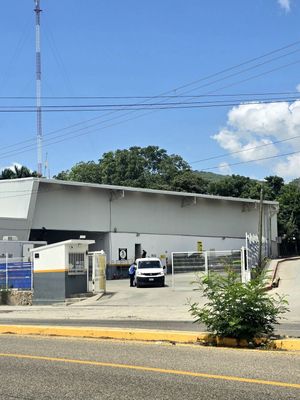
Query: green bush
235 309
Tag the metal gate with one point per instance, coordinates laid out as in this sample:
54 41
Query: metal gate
187 265
97 272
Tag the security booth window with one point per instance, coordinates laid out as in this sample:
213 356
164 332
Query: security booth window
76 263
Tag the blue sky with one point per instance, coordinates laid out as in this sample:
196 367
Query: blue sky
145 48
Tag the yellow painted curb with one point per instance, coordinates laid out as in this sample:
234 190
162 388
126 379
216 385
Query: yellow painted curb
142 335
287 344
105 333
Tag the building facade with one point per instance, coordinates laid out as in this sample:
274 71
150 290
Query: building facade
124 221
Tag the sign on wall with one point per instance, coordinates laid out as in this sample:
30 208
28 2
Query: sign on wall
122 254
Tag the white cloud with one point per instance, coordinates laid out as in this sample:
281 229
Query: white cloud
224 168
289 168
252 149
251 130
285 4
298 87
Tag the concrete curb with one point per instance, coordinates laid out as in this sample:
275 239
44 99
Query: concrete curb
142 335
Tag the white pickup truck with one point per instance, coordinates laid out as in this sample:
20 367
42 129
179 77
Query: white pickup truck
149 271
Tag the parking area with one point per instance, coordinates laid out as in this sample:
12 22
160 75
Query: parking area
153 303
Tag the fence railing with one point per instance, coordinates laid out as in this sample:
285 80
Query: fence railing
186 264
252 246
15 273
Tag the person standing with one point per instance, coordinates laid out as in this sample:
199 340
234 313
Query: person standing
131 273
144 254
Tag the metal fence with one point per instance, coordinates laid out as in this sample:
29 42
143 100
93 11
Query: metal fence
15 273
252 246
186 266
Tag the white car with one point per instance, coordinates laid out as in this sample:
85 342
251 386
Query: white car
149 271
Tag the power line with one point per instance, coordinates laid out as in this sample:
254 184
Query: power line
239 65
245 150
149 97
253 160
139 104
165 93
138 107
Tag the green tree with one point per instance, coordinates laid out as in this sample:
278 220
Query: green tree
17 172
234 186
273 186
149 167
289 216
189 181
82 172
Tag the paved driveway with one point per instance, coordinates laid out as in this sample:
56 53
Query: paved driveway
289 273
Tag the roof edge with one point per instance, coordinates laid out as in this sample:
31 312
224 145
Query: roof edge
143 190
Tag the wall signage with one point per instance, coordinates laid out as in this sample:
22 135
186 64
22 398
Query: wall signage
122 254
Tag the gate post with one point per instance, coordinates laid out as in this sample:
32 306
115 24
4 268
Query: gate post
245 273
6 271
206 262
173 282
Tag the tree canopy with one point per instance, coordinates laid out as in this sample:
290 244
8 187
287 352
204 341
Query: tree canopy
17 172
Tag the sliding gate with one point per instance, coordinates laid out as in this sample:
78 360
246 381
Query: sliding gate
187 265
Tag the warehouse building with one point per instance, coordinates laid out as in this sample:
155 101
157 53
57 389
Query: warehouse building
124 221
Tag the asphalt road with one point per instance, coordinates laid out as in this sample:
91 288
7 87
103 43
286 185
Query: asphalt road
51 368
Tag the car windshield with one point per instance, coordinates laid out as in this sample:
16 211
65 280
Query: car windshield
149 264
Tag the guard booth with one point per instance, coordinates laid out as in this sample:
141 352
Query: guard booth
97 272
60 270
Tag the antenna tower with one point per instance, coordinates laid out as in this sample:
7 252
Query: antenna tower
37 11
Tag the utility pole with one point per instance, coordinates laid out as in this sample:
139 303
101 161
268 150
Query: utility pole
39 132
260 228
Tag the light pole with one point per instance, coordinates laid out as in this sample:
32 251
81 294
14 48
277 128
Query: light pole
260 228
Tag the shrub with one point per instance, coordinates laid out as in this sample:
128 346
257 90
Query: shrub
235 309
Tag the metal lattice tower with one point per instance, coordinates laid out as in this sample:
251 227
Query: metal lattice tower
37 11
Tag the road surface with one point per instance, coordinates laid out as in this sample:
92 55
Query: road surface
289 284
50 368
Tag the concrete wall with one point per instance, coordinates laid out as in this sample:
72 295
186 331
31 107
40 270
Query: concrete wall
15 196
84 208
17 203
75 284
68 208
161 214
48 287
50 259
